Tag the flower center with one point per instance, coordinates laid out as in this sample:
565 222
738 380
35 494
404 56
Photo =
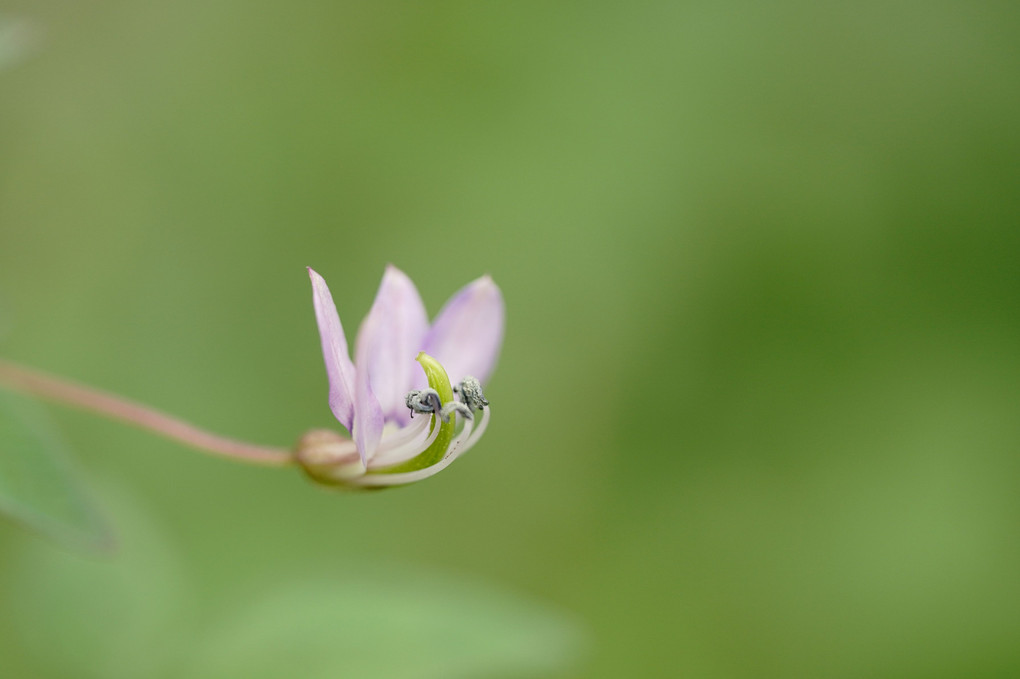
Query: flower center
421 449
427 400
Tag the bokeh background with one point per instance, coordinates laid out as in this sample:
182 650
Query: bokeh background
756 413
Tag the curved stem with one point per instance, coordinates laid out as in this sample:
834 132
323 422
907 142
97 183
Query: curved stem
63 391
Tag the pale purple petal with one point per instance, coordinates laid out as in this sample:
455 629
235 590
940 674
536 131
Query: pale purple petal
468 333
396 335
339 367
368 415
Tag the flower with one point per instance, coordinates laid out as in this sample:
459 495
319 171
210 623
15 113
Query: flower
376 396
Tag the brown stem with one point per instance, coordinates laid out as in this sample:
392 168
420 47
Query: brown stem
63 391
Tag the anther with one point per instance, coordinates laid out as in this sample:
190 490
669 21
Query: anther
470 392
423 401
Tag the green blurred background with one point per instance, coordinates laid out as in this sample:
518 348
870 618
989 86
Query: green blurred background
756 413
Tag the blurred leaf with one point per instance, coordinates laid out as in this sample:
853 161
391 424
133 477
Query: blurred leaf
37 483
397 626
94 616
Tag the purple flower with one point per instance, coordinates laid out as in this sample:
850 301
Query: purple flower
377 396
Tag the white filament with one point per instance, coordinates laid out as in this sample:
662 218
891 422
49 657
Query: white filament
398 437
461 444
406 447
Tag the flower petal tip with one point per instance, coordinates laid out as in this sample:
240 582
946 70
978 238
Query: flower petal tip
487 285
396 273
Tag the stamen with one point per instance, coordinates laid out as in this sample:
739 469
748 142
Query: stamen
454 407
470 392
423 401
462 445
463 442
425 455
402 436
459 439
405 450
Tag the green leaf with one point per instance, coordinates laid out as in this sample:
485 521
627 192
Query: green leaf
38 485
113 615
390 624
